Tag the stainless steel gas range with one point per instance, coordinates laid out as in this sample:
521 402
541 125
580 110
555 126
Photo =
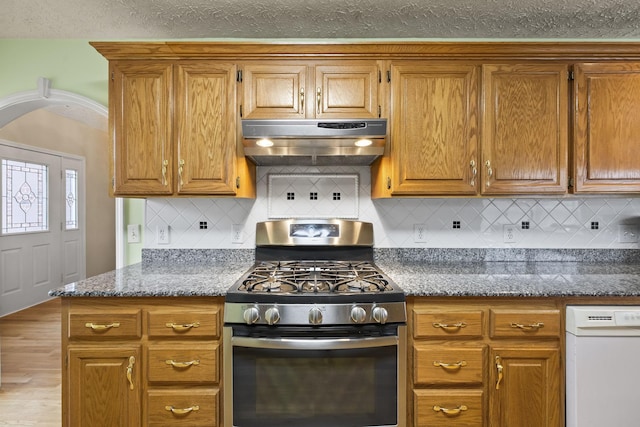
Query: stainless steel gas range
315 333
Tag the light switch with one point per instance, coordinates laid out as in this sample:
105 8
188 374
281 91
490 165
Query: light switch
133 233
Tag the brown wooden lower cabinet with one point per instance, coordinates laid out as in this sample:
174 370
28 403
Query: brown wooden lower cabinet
104 386
493 362
528 392
141 362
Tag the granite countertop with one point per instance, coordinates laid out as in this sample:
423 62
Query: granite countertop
528 273
142 280
515 278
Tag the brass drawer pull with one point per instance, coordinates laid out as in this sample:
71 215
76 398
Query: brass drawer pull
531 327
183 327
500 370
97 327
448 411
446 327
474 173
450 366
180 171
178 411
165 163
489 172
182 364
132 361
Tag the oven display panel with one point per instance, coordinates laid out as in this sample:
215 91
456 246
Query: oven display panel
314 230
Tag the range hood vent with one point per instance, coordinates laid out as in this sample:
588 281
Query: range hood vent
314 142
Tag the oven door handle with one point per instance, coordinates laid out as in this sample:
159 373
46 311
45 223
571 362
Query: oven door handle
314 344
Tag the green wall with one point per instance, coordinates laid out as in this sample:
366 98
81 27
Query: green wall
71 65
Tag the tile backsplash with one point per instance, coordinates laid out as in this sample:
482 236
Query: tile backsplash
567 222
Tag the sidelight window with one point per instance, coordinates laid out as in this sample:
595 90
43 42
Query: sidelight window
71 199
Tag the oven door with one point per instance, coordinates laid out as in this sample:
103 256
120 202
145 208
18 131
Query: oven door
316 381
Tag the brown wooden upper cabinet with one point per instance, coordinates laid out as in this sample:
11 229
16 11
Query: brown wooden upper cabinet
437 147
525 129
296 89
175 129
607 128
140 99
434 128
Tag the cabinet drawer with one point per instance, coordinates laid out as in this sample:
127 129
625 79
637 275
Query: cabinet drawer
437 365
540 323
191 408
120 324
455 408
184 323
439 324
195 363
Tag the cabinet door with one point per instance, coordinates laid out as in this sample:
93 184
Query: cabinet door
434 128
206 128
607 129
525 136
525 387
105 387
346 90
273 91
140 114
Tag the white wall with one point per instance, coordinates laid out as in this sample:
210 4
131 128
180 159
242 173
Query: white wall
554 222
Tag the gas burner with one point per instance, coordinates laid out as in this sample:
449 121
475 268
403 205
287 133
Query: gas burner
315 286
363 283
268 280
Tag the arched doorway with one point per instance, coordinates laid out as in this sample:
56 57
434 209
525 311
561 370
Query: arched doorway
67 122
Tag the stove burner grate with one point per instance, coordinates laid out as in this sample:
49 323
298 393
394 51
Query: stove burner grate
315 277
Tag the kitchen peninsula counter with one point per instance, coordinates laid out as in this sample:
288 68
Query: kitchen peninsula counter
510 273
167 273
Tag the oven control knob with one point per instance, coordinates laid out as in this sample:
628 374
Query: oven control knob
358 314
315 316
251 315
272 315
380 315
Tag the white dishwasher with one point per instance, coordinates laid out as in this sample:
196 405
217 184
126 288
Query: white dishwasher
603 366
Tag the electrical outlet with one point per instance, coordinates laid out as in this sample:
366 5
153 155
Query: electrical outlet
133 233
509 233
419 233
627 233
162 234
237 233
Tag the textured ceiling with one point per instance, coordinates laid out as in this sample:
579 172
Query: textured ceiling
320 19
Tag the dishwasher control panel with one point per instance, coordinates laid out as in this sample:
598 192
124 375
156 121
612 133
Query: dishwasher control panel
627 318
603 320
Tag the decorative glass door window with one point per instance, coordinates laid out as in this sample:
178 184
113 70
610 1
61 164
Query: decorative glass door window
25 197
71 199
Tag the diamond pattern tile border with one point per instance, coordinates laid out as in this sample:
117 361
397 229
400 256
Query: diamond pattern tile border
312 196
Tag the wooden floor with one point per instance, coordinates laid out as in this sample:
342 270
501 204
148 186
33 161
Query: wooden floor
30 367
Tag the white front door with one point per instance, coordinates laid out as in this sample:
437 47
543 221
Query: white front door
41 240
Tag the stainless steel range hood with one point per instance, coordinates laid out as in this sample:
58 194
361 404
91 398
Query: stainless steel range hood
314 142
